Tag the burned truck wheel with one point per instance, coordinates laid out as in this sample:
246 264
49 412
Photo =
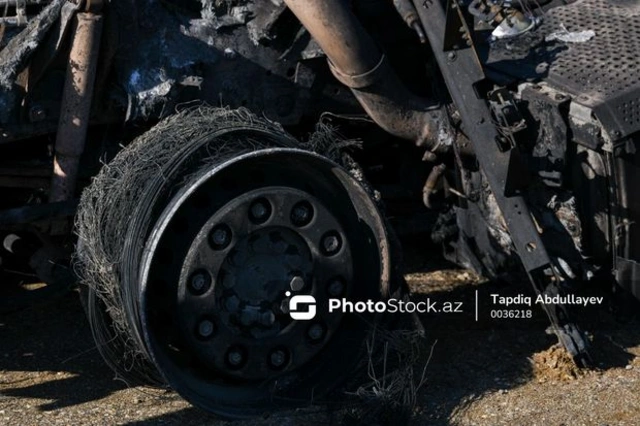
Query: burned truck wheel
198 274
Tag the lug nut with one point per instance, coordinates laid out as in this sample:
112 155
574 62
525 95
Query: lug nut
316 332
205 328
267 318
331 243
302 213
335 287
278 358
232 303
200 282
220 237
235 357
297 283
260 211
284 306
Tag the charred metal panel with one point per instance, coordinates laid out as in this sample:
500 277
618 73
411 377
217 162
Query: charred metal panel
159 54
239 53
15 55
587 69
600 73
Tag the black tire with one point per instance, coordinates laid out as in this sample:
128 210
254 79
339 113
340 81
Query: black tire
137 265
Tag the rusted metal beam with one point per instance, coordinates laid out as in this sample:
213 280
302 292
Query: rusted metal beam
357 62
76 105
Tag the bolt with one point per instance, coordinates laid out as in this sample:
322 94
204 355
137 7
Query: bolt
205 328
278 358
542 68
232 304
260 210
336 287
559 97
297 283
316 332
229 53
331 243
301 214
451 56
284 306
429 157
268 318
37 113
200 282
220 237
235 357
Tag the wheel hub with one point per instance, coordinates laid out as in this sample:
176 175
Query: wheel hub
261 267
248 259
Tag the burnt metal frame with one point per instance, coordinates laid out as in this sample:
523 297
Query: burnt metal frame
464 76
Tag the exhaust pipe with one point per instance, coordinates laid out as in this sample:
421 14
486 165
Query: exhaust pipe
76 105
357 62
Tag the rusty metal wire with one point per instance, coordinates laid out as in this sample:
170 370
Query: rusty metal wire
119 209
396 367
112 222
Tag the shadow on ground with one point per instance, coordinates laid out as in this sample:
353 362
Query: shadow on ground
54 338
474 357
470 358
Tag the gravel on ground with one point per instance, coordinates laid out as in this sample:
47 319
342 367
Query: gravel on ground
488 372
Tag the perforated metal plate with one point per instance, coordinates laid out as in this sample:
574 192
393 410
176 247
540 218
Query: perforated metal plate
602 73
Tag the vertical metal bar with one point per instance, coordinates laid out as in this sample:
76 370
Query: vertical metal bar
76 105
462 71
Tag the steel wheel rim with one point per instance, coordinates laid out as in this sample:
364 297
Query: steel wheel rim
280 358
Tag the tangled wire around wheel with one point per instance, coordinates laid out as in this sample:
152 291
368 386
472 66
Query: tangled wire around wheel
116 214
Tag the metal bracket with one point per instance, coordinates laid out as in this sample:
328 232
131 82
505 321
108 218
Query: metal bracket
462 76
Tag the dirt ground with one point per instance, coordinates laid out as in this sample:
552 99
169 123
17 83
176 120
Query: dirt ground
490 372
